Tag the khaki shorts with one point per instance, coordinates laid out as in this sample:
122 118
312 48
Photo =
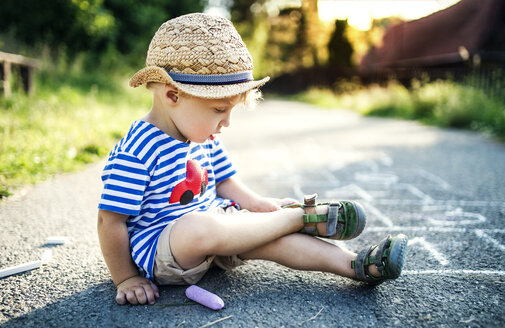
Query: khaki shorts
168 272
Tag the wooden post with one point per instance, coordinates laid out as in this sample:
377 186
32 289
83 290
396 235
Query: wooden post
27 64
7 79
30 86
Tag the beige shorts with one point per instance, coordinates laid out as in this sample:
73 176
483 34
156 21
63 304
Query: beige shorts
168 272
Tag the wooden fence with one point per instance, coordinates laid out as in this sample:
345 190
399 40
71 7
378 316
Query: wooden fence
26 66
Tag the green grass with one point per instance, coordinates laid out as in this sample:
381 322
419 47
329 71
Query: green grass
69 121
442 103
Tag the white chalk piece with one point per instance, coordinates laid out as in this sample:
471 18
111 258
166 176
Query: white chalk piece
47 256
20 268
56 240
204 297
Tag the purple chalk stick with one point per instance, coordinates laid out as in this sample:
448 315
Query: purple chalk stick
204 297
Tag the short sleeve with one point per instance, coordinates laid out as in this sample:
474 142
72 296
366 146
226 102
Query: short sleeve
125 179
221 163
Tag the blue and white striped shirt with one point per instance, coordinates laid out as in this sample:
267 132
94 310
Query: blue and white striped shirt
140 175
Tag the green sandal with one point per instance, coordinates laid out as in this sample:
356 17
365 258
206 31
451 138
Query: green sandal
345 219
388 259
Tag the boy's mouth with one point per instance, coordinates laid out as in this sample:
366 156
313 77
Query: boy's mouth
212 137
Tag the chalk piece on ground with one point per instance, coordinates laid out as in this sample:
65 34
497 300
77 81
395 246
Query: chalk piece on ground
204 297
46 256
56 240
20 268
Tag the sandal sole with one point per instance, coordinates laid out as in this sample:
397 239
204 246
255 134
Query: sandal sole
360 220
397 255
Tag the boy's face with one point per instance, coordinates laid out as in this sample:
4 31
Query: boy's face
199 119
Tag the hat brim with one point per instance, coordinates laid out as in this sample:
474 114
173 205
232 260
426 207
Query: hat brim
158 74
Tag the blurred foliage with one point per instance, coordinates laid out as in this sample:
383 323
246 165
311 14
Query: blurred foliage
285 36
94 27
339 47
445 103
74 118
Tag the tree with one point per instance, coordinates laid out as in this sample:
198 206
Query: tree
339 48
91 26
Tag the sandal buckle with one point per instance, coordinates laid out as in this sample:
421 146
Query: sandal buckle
309 200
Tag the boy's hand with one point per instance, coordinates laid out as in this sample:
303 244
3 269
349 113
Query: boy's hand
137 290
271 204
285 201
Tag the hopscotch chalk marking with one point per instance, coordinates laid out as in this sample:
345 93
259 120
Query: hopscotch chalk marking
430 248
432 177
455 272
386 160
372 165
331 177
297 189
475 203
381 216
481 234
349 191
431 229
416 192
452 218
379 178
450 214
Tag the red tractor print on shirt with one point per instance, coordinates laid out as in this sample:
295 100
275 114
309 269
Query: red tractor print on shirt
196 183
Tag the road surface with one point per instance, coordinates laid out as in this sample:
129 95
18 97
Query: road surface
445 189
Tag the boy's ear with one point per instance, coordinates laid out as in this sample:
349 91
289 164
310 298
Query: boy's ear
171 93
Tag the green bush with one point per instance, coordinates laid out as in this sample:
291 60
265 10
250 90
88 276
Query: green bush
442 102
72 119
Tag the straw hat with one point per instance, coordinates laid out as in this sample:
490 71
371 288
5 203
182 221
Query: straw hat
202 55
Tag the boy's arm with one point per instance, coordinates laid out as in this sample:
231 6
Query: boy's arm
234 189
113 235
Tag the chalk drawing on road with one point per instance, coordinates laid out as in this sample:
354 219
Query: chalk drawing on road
297 190
448 202
385 160
455 272
379 178
378 214
444 215
410 194
430 248
347 192
434 178
415 191
456 217
481 234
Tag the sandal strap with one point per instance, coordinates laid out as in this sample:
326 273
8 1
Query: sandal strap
310 231
333 225
359 265
314 218
379 255
309 206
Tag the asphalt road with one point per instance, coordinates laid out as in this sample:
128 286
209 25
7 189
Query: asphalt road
445 189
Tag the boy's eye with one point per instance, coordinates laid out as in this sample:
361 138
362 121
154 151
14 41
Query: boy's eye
220 110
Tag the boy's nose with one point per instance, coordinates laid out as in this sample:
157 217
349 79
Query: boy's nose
225 122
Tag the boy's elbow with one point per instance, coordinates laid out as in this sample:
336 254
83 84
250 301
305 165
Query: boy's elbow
100 220
106 217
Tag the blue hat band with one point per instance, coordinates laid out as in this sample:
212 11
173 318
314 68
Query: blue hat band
216 79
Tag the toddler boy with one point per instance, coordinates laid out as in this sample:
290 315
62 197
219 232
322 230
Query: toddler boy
172 206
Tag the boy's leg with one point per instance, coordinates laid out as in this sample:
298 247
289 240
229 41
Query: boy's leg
304 252
200 234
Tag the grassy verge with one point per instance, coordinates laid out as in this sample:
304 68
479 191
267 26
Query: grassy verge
71 120
441 103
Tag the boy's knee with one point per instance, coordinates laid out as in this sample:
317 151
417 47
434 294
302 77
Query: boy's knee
197 230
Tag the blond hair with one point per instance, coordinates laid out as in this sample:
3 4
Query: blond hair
249 99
